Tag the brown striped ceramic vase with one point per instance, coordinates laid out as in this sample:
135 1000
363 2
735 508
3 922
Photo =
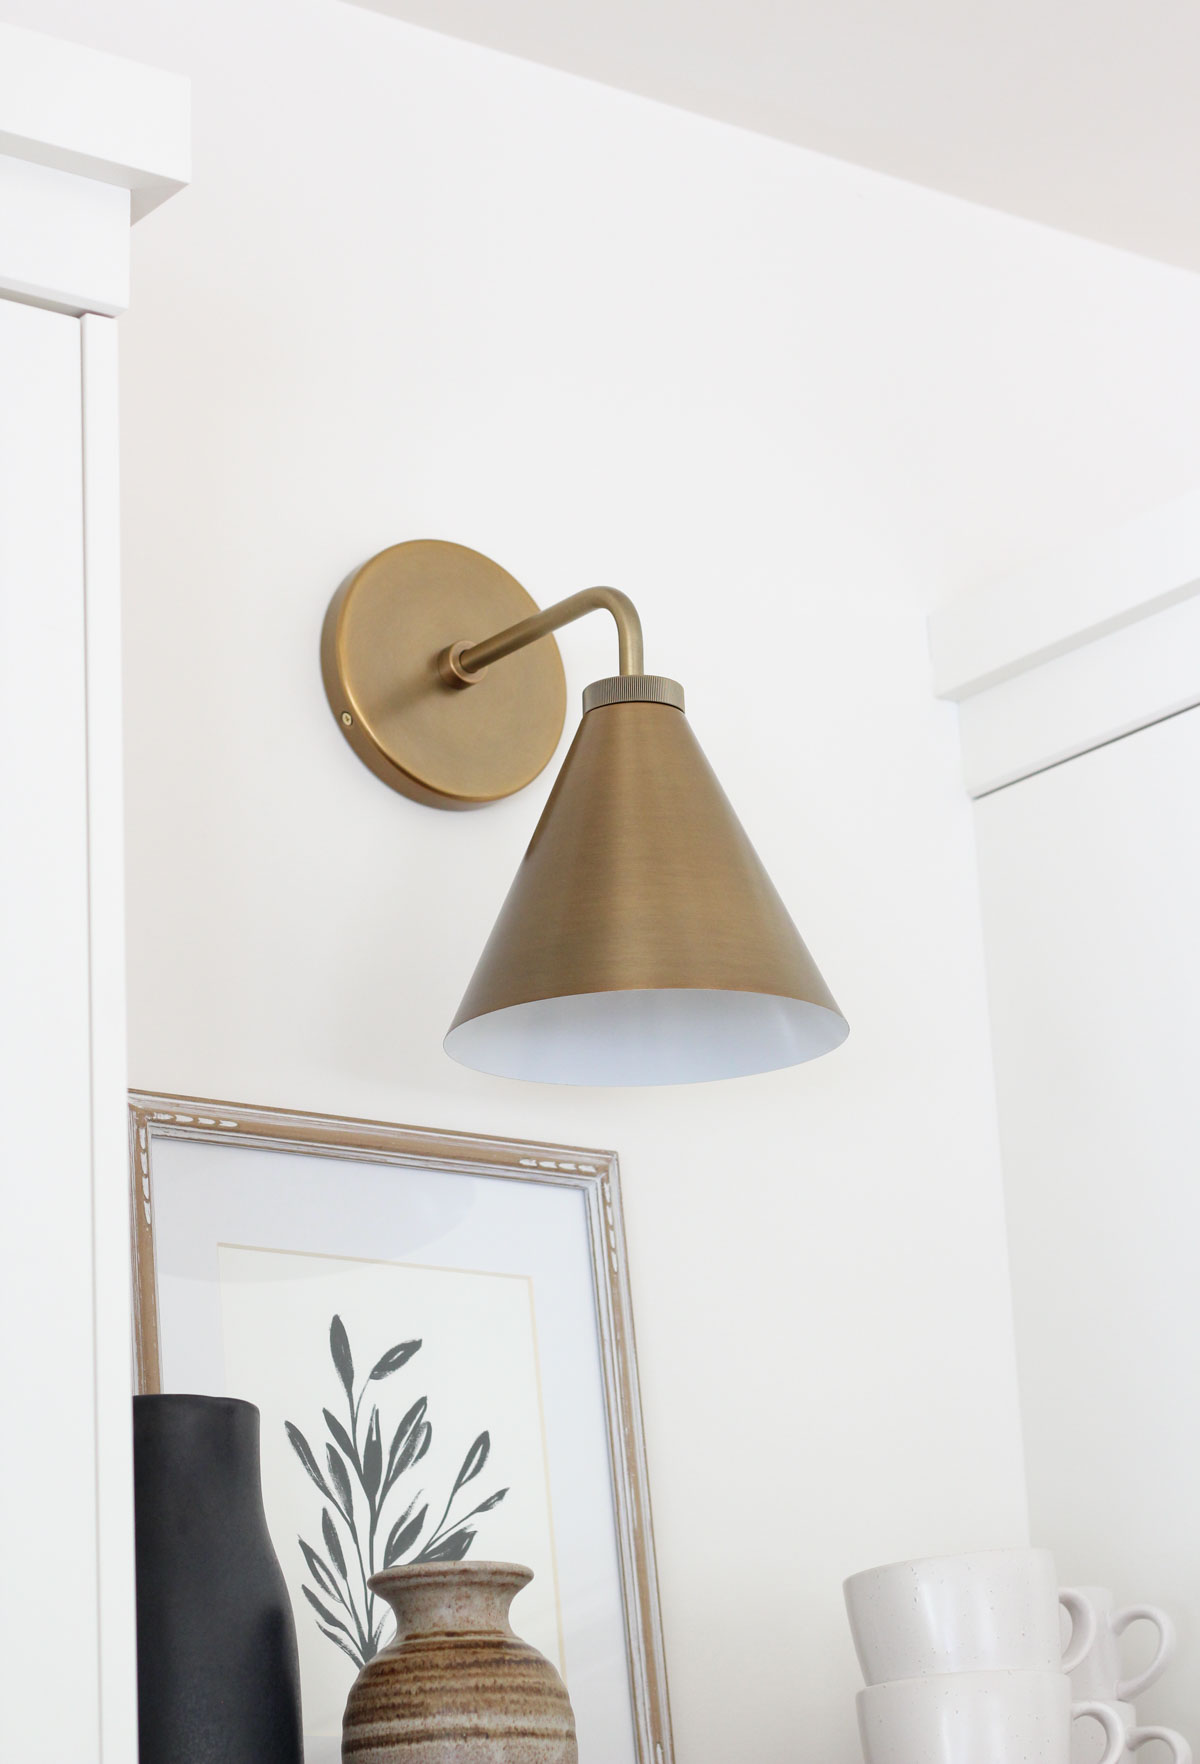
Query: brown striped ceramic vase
456 1686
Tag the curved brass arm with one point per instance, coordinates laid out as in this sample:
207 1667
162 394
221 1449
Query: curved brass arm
463 663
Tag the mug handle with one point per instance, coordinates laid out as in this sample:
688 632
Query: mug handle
1180 1750
1129 1688
1113 1726
1083 1626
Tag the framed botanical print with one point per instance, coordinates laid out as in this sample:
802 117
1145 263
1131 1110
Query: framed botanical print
436 1329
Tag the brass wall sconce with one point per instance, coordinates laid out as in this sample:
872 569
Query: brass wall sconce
642 941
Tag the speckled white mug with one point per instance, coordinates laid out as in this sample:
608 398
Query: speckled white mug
1098 1673
995 1610
1085 1742
978 1718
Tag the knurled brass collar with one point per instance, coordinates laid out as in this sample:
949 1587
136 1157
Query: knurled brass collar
633 689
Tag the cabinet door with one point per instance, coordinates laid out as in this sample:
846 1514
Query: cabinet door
48 1501
1090 875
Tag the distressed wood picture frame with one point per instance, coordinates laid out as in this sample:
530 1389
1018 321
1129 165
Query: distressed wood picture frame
593 1175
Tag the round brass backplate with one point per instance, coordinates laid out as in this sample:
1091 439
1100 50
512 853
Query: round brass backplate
444 745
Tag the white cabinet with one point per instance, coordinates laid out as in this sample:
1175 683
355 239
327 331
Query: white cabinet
67 1655
1090 877
1078 680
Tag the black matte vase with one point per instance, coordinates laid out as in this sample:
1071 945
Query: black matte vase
218 1675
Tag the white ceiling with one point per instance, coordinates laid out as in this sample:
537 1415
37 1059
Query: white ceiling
1083 114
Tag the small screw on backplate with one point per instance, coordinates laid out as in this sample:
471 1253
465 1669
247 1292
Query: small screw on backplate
347 718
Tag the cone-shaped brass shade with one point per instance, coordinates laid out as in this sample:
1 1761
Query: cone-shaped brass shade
642 941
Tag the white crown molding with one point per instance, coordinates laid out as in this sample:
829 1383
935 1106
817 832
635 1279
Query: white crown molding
88 143
1110 580
1121 682
97 116
1076 650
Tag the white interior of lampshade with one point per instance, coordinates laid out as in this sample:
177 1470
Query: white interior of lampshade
682 1036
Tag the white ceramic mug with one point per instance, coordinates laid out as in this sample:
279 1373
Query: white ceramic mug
996 1610
1098 1673
978 1718
1085 1744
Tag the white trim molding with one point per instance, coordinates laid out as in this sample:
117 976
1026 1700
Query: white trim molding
112 1309
1076 650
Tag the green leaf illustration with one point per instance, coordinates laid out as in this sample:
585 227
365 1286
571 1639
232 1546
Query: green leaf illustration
341 1576
408 1424
409 1450
339 1643
449 1549
403 1536
473 1463
372 1459
339 1347
318 1570
341 1436
340 1477
325 1615
395 1357
304 1452
333 1542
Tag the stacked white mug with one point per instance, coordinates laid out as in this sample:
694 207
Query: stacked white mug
1099 1675
964 1664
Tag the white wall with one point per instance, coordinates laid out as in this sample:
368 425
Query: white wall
1090 878
419 289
